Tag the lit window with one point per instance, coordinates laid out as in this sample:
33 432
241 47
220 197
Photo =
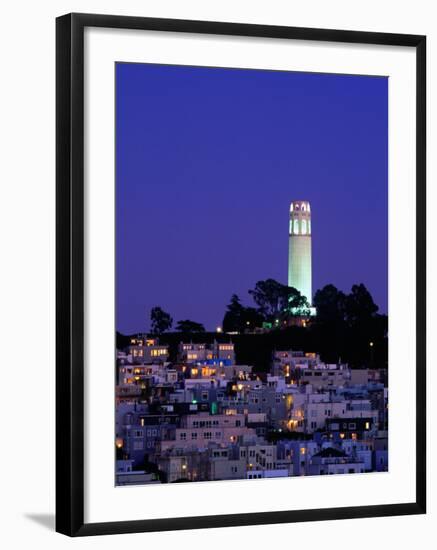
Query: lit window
296 227
304 227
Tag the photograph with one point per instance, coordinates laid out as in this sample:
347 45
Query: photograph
219 244
251 274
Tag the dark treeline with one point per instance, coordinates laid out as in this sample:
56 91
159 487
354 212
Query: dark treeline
350 325
347 327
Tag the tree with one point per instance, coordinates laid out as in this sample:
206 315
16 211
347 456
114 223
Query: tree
329 328
293 303
276 300
268 296
349 326
359 306
160 320
189 326
239 318
232 320
330 304
366 335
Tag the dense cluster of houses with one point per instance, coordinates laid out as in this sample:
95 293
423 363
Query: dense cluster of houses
204 417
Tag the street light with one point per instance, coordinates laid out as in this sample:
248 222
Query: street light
371 353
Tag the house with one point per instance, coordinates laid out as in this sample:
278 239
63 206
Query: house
334 461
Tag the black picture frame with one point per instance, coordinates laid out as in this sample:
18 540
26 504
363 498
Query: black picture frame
70 273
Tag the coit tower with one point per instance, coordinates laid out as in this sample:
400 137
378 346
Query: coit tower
299 249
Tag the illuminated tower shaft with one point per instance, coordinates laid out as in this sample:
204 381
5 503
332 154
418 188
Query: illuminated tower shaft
299 249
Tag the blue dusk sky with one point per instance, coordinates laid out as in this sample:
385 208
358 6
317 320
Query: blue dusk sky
207 163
